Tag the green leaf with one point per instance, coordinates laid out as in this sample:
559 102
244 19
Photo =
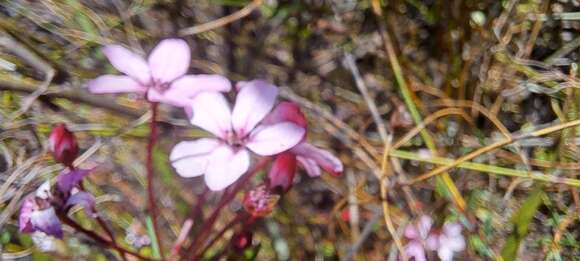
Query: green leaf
153 236
520 222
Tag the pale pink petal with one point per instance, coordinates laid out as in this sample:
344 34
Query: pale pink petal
456 243
415 250
128 62
225 167
452 229
253 103
185 88
115 84
432 242
190 158
445 254
29 205
211 112
323 158
310 166
43 191
276 138
424 225
411 232
169 60
286 111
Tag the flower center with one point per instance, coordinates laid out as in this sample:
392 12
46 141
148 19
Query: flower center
235 141
159 86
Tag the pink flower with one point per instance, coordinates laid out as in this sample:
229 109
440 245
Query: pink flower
37 214
310 157
222 160
449 241
419 239
161 78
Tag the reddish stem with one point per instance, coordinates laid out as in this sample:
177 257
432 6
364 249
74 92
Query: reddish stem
150 171
236 219
99 219
227 197
99 238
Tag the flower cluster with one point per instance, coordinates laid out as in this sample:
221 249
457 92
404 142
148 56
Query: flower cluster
251 125
255 126
40 211
421 238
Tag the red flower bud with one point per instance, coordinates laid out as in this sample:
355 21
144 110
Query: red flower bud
260 202
242 240
63 145
282 173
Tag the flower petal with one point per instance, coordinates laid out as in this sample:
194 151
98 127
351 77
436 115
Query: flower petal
169 60
310 166
323 158
415 250
445 254
276 138
43 191
115 84
424 225
253 103
84 199
190 158
46 221
183 89
28 206
281 174
452 229
225 167
286 111
211 112
128 62
67 180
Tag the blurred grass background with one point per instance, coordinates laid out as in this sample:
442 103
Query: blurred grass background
364 72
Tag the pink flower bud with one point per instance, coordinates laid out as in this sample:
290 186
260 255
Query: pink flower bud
63 145
260 202
282 172
242 240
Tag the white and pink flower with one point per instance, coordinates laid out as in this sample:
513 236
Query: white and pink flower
223 159
162 78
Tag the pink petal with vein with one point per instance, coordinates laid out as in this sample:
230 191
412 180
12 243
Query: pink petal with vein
115 84
276 138
253 103
128 62
169 60
190 158
225 167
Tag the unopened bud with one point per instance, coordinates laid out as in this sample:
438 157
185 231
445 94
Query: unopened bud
242 240
63 145
282 173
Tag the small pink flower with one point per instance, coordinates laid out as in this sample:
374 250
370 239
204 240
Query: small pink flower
310 157
419 238
37 214
450 241
225 158
161 78
63 145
